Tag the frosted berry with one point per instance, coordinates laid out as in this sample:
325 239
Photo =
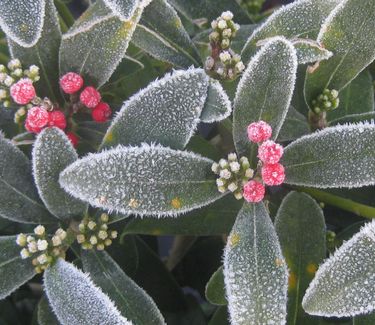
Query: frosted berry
57 119
73 139
37 118
22 91
90 97
270 152
273 174
253 191
101 113
71 82
259 131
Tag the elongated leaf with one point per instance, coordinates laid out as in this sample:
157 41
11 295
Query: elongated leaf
294 126
22 20
76 300
346 33
43 54
166 112
147 180
341 156
130 299
220 317
303 250
255 272
19 199
264 92
343 285
45 313
300 19
309 51
354 118
122 8
52 153
14 271
215 289
364 320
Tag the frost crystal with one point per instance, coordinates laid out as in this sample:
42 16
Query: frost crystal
123 8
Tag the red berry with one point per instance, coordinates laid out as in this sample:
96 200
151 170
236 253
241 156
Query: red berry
253 191
37 119
57 118
22 91
90 97
259 131
270 152
101 112
73 139
273 174
71 82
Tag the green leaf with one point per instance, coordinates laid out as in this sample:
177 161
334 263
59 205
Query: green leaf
14 271
300 19
124 9
92 132
19 199
22 20
310 51
364 320
220 317
44 54
346 33
76 300
294 126
161 34
340 156
45 313
354 118
264 92
167 112
215 289
303 250
146 180
52 153
343 285
130 299
255 272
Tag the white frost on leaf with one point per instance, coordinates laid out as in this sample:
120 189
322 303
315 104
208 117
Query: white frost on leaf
76 300
344 285
124 9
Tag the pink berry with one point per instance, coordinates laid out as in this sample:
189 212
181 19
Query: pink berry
71 82
259 131
270 152
22 91
37 119
57 119
101 112
90 97
73 139
253 191
273 174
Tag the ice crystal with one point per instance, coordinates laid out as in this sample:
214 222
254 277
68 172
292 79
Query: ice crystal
122 8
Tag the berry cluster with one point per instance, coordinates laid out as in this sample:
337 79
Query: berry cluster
223 63
44 250
95 234
327 101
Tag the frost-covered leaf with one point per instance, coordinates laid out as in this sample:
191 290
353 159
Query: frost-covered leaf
161 34
45 313
167 111
255 272
294 126
19 199
52 153
354 118
340 156
303 250
43 54
76 300
346 33
264 92
130 299
14 271
309 51
146 180
122 8
22 20
364 319
343 285
300 19
215 288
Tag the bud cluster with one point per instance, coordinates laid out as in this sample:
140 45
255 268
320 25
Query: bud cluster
94 234
43 249
223 63
327 101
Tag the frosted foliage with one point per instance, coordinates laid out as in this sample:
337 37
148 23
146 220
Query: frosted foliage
130 299
264 92
22 20
340 156
300 19
52 153
122 8
218 106
255 272
76 300
45 313
19 199
166 112
14 271
309 51
146 180
344 284
294 126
